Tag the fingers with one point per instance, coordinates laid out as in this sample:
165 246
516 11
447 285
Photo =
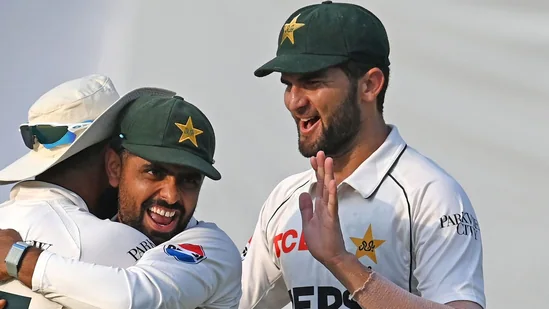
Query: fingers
2 303
319 164
328 176
332 199
306 208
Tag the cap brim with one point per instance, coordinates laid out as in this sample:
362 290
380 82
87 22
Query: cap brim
173 156
299 64
36 162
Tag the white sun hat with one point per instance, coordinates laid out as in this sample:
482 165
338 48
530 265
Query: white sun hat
88 106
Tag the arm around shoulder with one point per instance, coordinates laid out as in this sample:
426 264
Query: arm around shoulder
195 268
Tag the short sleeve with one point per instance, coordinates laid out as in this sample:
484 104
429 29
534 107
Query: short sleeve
448 245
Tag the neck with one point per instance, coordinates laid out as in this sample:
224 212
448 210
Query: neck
365 144
88 189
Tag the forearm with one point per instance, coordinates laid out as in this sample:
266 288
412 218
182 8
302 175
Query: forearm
28 264
95 285
373 291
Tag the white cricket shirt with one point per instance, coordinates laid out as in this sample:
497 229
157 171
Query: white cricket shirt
57 220
401 215
200 267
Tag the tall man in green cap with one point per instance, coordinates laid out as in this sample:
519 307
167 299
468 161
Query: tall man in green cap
390 228
162 151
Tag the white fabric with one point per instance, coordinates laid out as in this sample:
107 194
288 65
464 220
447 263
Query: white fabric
57 220
396 186
91 97
210 280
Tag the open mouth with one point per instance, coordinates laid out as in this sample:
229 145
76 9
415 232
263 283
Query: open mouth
162 219
309 124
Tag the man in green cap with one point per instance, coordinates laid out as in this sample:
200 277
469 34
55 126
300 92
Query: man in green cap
158 160
389 228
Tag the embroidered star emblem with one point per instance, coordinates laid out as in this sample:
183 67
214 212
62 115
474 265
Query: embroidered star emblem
188 132
289 29
367 245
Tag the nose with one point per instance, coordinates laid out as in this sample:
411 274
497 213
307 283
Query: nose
169 191
296 99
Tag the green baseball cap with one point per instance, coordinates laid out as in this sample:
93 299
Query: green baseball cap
169 130
319 36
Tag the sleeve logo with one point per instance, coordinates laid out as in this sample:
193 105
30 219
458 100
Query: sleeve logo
187 253
464 223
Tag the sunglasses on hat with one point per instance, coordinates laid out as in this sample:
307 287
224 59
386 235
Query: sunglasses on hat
51 135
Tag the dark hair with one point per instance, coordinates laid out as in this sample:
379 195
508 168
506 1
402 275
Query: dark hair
88 157
355 70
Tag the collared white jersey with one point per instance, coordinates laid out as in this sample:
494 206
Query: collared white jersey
198 268
401 215
57 220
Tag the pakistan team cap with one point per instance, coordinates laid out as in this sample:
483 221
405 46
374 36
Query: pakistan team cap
319 36
170 130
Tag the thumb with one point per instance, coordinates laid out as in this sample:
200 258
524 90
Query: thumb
306 208
2 303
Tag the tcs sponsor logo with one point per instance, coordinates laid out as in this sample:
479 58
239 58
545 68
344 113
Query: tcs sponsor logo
289 241
325 297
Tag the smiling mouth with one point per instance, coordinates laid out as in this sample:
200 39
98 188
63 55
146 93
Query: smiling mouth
162 219
308 124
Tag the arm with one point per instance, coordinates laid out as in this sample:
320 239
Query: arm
373 291
172 276
323 235
262 282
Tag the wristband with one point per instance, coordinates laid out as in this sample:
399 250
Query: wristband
14 257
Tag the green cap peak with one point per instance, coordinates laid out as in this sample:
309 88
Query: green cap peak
169 130
319 36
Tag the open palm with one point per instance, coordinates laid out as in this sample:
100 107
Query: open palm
321 226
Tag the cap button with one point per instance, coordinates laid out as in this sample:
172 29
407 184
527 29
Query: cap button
326 2
178 97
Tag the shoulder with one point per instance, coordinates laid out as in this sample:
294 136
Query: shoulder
204 241
284 190
429 187
417 172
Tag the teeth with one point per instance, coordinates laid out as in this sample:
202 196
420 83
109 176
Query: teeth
162 212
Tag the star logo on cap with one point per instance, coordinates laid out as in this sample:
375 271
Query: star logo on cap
188 132
367 245
289 29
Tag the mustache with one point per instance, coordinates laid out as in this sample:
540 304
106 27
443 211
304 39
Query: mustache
160 202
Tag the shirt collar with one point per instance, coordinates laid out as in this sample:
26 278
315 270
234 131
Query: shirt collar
369 175
40 190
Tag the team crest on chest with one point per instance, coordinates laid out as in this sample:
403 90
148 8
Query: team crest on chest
367 245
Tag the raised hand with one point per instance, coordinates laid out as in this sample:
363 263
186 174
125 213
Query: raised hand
320 224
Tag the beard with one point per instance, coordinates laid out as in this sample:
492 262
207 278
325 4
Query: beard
338 135
131 215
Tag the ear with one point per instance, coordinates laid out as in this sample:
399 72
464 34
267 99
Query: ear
370 85
113 167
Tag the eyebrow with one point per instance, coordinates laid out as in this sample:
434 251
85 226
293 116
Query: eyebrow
307 76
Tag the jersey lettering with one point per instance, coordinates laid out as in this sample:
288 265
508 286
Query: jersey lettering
288 241
140 249
38 244
327 297
465 224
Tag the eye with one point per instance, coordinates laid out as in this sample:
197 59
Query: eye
156 172
191 182
313 83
